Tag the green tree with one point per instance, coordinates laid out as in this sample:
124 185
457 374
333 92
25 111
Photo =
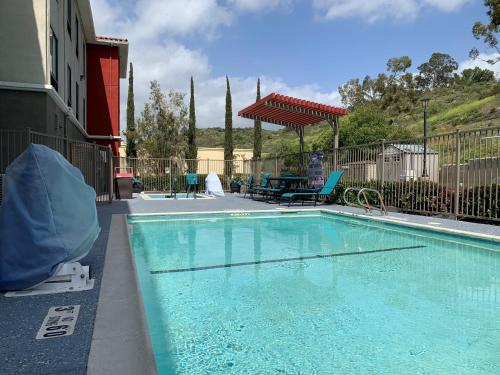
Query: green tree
352 94
368 124
192 150
476 75
437 72
130 133
398 65
162 125
228 133
487 32
257 126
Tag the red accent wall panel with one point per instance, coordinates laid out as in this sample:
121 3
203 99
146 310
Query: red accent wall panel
103 92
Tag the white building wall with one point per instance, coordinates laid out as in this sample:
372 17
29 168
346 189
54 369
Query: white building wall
23 41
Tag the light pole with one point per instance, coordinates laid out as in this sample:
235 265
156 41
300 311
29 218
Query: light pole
425 102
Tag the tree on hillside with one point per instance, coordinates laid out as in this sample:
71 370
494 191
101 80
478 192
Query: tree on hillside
192 150
398 90
228 133
368 124
130 133
352 94
162 125
437 72
394 92
398 65
476 75
487 32
257 126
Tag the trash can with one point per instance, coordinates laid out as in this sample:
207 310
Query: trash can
123 182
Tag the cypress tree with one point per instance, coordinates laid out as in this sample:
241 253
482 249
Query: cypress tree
228 133
257 130
192 152
130 132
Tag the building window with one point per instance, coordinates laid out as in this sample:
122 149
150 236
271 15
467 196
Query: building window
68 16
69 86
77 100
54 54
395 158
77 36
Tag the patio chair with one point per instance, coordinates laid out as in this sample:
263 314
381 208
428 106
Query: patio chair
275 192
192 184
263 185
249 188
327 189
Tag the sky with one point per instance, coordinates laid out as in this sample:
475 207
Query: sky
302 48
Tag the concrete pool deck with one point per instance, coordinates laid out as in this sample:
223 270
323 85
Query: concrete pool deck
114 332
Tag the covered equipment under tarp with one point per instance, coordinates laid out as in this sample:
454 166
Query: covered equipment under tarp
48 217
213 185
316 180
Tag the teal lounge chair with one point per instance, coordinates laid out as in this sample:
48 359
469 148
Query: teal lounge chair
192 184
328 189
263 184
249 187
274 192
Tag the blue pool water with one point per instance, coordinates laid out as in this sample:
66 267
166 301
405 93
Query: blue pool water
315 293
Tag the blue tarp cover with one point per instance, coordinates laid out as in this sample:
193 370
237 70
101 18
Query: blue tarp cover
316 179
48 217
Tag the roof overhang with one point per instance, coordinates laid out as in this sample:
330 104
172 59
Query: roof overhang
122 45
92 38
292 112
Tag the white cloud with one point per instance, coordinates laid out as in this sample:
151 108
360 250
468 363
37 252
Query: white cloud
447 5
258 5
375 10
156 18
481 63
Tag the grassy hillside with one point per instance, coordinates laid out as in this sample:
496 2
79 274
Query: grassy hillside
470 107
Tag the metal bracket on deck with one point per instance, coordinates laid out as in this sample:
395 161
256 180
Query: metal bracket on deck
71 277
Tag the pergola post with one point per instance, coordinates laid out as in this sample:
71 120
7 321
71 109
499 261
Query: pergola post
300 131
335 125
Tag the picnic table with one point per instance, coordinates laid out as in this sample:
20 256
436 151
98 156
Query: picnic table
288 180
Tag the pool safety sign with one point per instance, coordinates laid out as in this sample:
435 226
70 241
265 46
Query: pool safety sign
60 321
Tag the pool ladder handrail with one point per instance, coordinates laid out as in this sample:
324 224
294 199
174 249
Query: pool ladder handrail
366 205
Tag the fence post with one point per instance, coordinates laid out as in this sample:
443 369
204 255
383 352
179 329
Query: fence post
382 177
170 174
28 137
457 171
111 170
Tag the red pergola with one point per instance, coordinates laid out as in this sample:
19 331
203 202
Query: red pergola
295 113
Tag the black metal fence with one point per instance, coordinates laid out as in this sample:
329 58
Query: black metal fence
455 174
94 161
164 175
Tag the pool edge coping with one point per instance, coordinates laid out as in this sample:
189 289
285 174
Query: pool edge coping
95 363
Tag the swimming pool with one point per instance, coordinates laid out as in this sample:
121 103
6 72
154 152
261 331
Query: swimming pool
314 292
166 196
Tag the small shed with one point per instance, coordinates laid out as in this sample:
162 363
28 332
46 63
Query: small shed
364 170
405 162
